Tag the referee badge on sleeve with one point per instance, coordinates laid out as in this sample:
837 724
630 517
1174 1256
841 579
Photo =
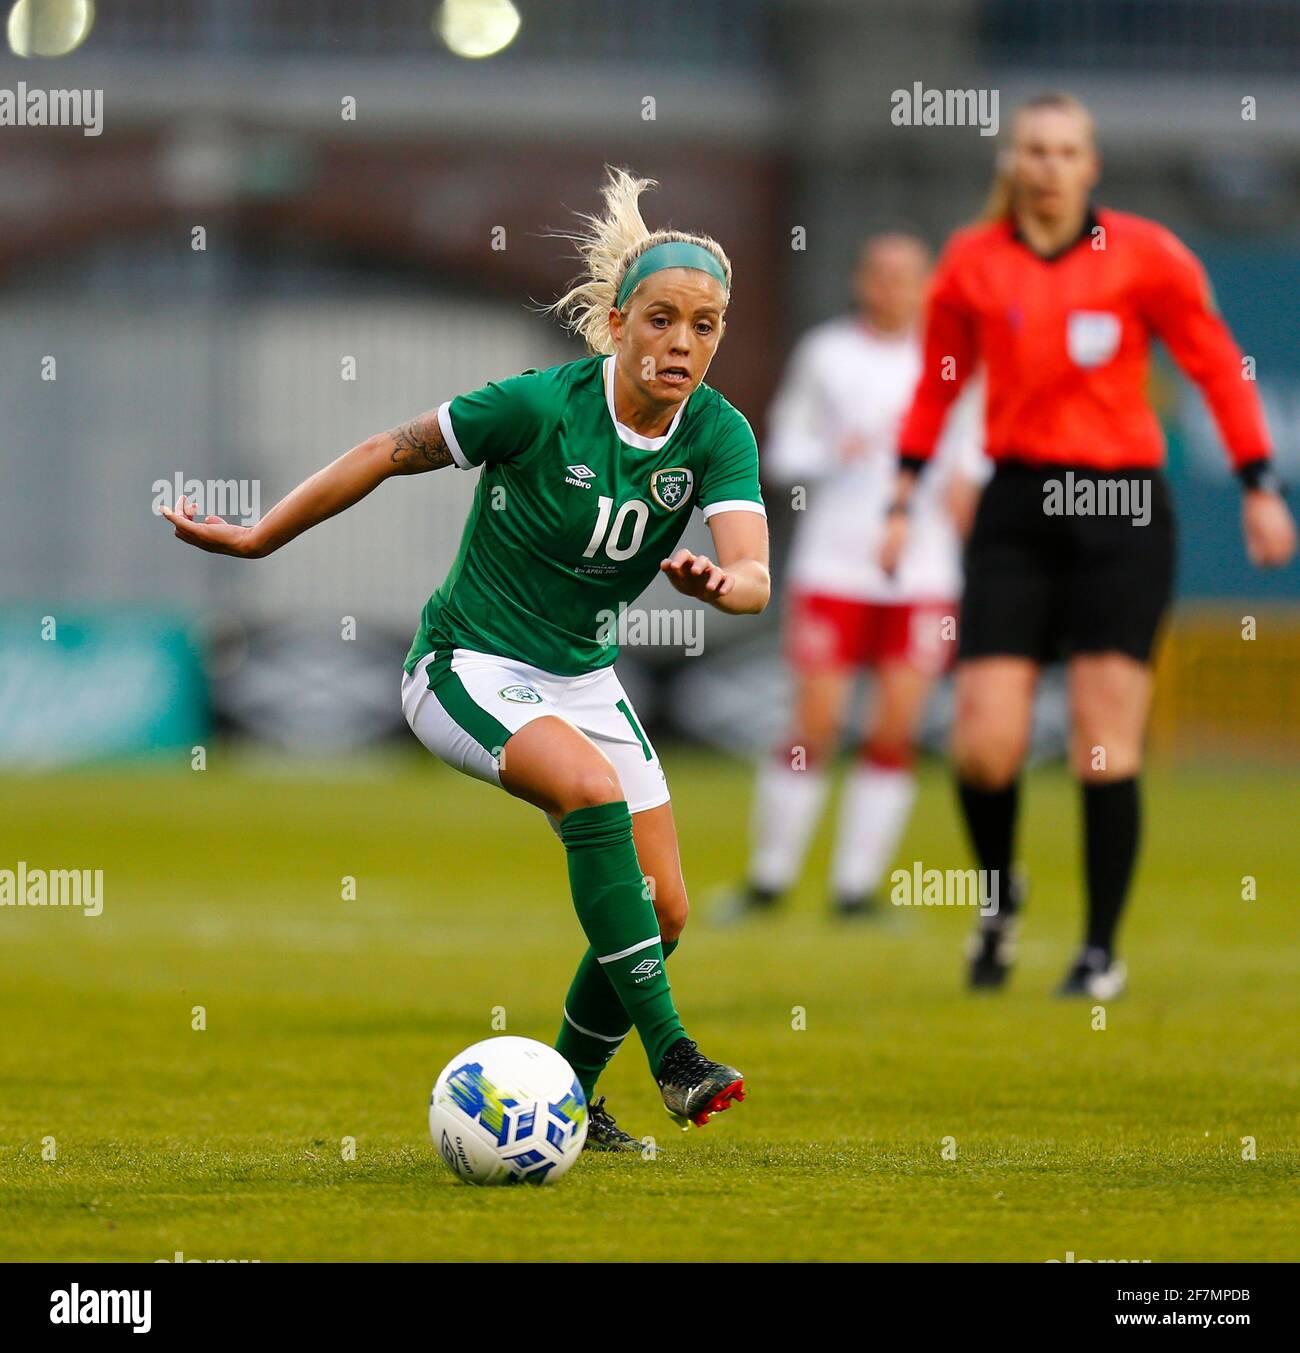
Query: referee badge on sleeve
1092 337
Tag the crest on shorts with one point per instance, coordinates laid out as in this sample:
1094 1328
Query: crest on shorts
1092 337
521 695
671 488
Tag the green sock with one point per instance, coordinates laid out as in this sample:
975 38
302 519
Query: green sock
595 1023
618 918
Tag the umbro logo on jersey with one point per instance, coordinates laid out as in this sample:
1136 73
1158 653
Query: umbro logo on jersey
646 968
578 475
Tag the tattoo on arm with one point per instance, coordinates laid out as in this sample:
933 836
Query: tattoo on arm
419 445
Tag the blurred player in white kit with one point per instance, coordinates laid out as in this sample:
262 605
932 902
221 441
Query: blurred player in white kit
833 442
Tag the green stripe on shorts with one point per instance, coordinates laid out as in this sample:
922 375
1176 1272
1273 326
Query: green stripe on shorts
456 700
626 710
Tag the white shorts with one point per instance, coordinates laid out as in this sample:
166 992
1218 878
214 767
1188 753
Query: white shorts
464 706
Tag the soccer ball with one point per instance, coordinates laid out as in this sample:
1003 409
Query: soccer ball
506 1111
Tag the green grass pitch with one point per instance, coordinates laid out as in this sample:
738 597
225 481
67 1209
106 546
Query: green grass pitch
328 1019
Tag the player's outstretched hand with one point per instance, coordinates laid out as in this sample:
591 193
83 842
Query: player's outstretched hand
211 534
696 575
1269 529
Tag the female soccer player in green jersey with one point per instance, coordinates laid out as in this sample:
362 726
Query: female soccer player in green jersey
588 474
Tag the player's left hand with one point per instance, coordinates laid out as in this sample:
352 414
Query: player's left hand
696 575
1269 528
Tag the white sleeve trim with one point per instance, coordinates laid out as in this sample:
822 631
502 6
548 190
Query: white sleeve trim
449 434
734 505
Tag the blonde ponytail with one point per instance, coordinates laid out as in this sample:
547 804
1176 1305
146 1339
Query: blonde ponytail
997 205
608 245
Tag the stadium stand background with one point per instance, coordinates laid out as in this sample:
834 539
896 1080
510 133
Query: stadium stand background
374 239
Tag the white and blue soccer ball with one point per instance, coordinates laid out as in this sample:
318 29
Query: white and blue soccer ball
508 1111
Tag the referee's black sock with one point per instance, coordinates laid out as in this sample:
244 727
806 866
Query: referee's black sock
991 823
1110 839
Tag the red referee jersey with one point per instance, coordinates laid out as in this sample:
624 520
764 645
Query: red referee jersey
1066 344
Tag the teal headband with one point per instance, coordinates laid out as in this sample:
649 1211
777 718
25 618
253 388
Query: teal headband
672 254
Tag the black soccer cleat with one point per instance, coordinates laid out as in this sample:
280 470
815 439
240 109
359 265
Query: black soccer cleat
744 903
693 1087
855 907
991 950
1095 974
990 953
603 1133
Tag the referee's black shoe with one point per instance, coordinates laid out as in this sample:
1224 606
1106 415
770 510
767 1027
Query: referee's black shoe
990 953
1095 974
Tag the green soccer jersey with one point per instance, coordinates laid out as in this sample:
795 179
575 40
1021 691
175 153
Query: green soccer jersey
573 512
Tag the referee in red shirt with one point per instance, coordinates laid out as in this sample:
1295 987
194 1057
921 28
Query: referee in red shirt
1072 551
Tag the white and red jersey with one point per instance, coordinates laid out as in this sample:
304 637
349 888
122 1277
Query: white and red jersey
834 430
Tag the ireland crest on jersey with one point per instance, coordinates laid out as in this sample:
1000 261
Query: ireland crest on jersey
671 488
521 695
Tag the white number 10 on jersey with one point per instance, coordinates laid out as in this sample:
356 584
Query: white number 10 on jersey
635 508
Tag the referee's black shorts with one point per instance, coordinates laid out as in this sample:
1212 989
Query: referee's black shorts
1064 560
